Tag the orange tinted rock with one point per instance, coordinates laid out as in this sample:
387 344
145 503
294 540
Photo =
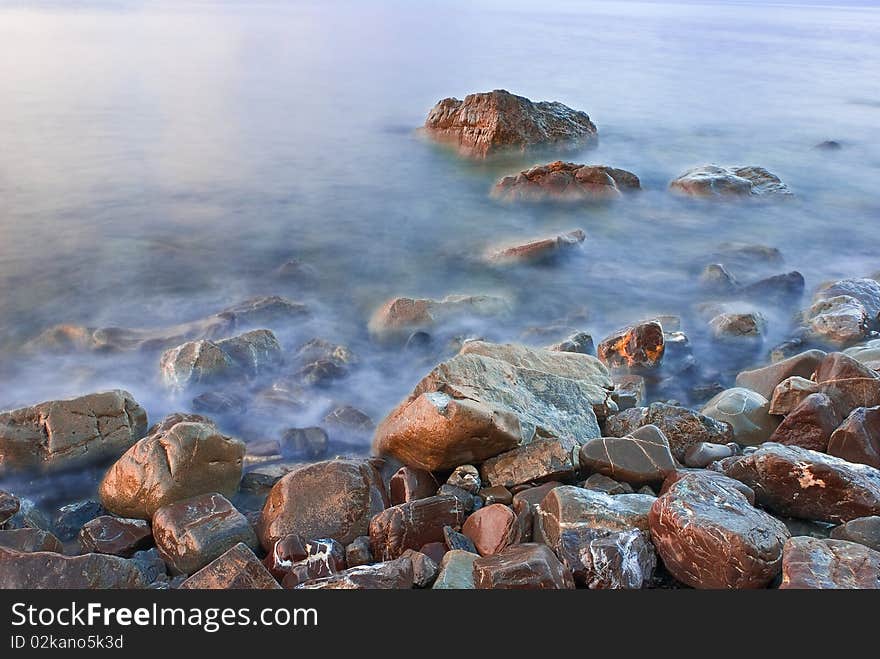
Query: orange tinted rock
492 529
636 346
566 181
829 564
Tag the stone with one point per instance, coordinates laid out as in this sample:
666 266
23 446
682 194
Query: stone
839 366
566 182
837 321
332 499
710 536
468 501
115 535
809 425
151 566
703 454
220 403
399 317
636 346
497 494
716 181
308 442
236 569
829 564
359 552
637 460
456 571
183 461
529 566
863 530
50 570
579 342
409 484
828 145
487 123
567 507
30 540
492 529
747 412
541 460
601 483
424 568
411 525
71 518
797 482
735 326
629 390
262 478
288 551
867 353
744 489
348 419
29 516
790 393
858 437
389 575
9 505
434 550
255 352
786 289
324 558
766 379
608 560
455 540
63 434
715 277
865 290
191 533
539 250
467 477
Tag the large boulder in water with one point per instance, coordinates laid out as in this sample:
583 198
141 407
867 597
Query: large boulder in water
490 122
715 181
566 181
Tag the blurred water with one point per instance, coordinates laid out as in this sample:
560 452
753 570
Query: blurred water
159 160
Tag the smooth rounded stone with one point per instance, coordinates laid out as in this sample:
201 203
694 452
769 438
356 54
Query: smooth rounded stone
560 181
486 123
868 353
681 426
809 425
735 326
220 403
492 529
262 478
865 290
332 499
715 277
639 459
863 530
358 552
455 540
579 342
567 507
30 540
456 571
389 575
399 317
183 461
541 460
829 564
191 533
608 560
716 181
62 434
50 570
409 484
424 568
534 251
236 569
467 477
115 535
858 437
638 346
710 536
838 321
703 454
411 525
168 422
601 483
529 566
766 379
746 411
497 494
744 489
786 288
790 393
748 255
797 482
9 505
350 420
309 442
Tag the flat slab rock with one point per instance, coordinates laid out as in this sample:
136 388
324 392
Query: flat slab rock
566 181
714 181
389 575
236 569
537 461
528 566
829 564
115 535
49 570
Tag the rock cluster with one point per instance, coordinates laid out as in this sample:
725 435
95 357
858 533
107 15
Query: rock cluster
566 181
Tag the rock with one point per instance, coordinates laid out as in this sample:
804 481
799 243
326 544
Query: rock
323 558
255 352
629 390
434 550
9 505
858 437
497 494
728 326
183 461
457 541
399 317
809 425
838 366
636 346
601 483
682 427
786 288
411 525
850 383
790 393
863 530
72 517
580 342
714 181
541 460
866 291
568 507
456 571
63 434
424 568
797 482
540 250
236 569
30 540
832 564
263 477
490 122
600 559
115 535
828 145
766 379
191 533
171 420
151 566
838 321
748 255
333 499
747 412
466 477
868 354
566 181
219 403
28 517
716 278
526 566
349 419
703 454
288 551
409 484
49 570
638 460
359 552
710 536
390 575
309 442
526 504
492 529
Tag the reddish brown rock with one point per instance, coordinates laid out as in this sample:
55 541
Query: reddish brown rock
497 494
858 437
237 569
543 249
323 558
715 181
425 569
829 564
637 460
790 393
602 483
797 482
434 550
30 540
566 181
838 321
359 552
541 460
764 380
395 320
601 559
9 505
528 566
389 575
809 425
115 535
525 505
673 478
492 529
465 477
409 484
333 499
636 346
289 550
490 122
411 525
863 530
709 536
50 570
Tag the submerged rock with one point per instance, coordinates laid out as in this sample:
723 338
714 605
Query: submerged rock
399 317
636 346
543 249
566 181
712 181
735 326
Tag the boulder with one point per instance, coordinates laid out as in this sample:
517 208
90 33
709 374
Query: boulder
115 535
359 552
540 460
496 494
786 289
9 505
716 181
737 326
601 483
701 455
867 353
790 393
390 575
456 571
637 346
746 411
829 564
348 420
322 558
413 524
566 181
170 465
395 320
539 250
30 540
858 437
308 442
716 278
50 570
62 434
838 321
490 122
710 536
580 342
526 505
810 424
639 459
629 390
865 290
608 560
528 566
236 569
255 352
766 379
409 484
492 529
863 530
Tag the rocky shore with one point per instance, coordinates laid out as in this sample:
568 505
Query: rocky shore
560 465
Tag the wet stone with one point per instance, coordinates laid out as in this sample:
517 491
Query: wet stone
287 551
359 552
747 412
49 570
457 541
540 460
434 550
858 437
790 393
409 484
829 564
492 529
703 454
236 569
30 540
497 494
424 568
456 571
467 477
810 424
72 517
115 535
601 559
601 483
9 505
389 575
636 346
863 530
641 458
526 566
411 525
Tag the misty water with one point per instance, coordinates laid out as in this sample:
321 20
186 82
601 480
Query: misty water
159 161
